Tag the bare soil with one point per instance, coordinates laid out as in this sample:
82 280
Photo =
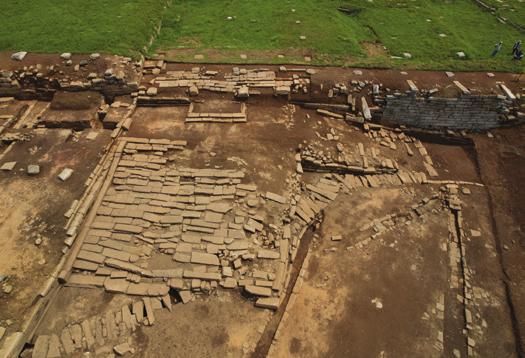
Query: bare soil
375 301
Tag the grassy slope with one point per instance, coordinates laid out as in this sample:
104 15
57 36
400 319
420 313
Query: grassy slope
509 9
269 25
122 26
335 38
265 28
467 29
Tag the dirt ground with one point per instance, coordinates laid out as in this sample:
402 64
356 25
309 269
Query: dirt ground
392 296
381 300
32 208
501 164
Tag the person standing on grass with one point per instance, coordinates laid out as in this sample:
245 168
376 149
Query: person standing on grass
518 55
516 47
497 48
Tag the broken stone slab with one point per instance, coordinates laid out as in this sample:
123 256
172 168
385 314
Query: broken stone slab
33 169
126 266
207 276
116 285
255 224
268 254
258 291
367 115
149 310
221 208
213 217
193 91
242 92
268 302
229 282
152 91
138 310
134 229
8 166
65 174
88 334
475 233
127 318
76 335
327 194
327 113
12 343
19 56
91 256
67 341
412 86
166 301
182 257
238 245
41 347
185 296
204 259
275 197
54 348
66 56
123 348
463 89
508 92
152 289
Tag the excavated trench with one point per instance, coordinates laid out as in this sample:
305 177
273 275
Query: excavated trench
265 342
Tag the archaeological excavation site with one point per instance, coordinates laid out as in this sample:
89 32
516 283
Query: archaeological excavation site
157 207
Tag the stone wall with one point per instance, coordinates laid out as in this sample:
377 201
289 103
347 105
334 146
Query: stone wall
466 112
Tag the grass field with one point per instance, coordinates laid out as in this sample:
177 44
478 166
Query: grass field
336 38
513 10
116 26
270 31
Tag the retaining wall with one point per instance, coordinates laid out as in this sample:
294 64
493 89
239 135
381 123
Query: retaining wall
465 112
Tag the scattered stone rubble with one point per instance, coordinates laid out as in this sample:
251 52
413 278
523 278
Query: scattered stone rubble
374 229
111 332
345 160
40 82
361 160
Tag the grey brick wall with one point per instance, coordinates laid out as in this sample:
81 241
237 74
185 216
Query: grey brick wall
466 112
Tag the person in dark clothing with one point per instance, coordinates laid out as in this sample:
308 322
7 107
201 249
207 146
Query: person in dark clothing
516 47
497 48
518 55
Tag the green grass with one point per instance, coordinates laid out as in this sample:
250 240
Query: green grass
512 10
264 29
115 26
415 28
335 38
261 26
